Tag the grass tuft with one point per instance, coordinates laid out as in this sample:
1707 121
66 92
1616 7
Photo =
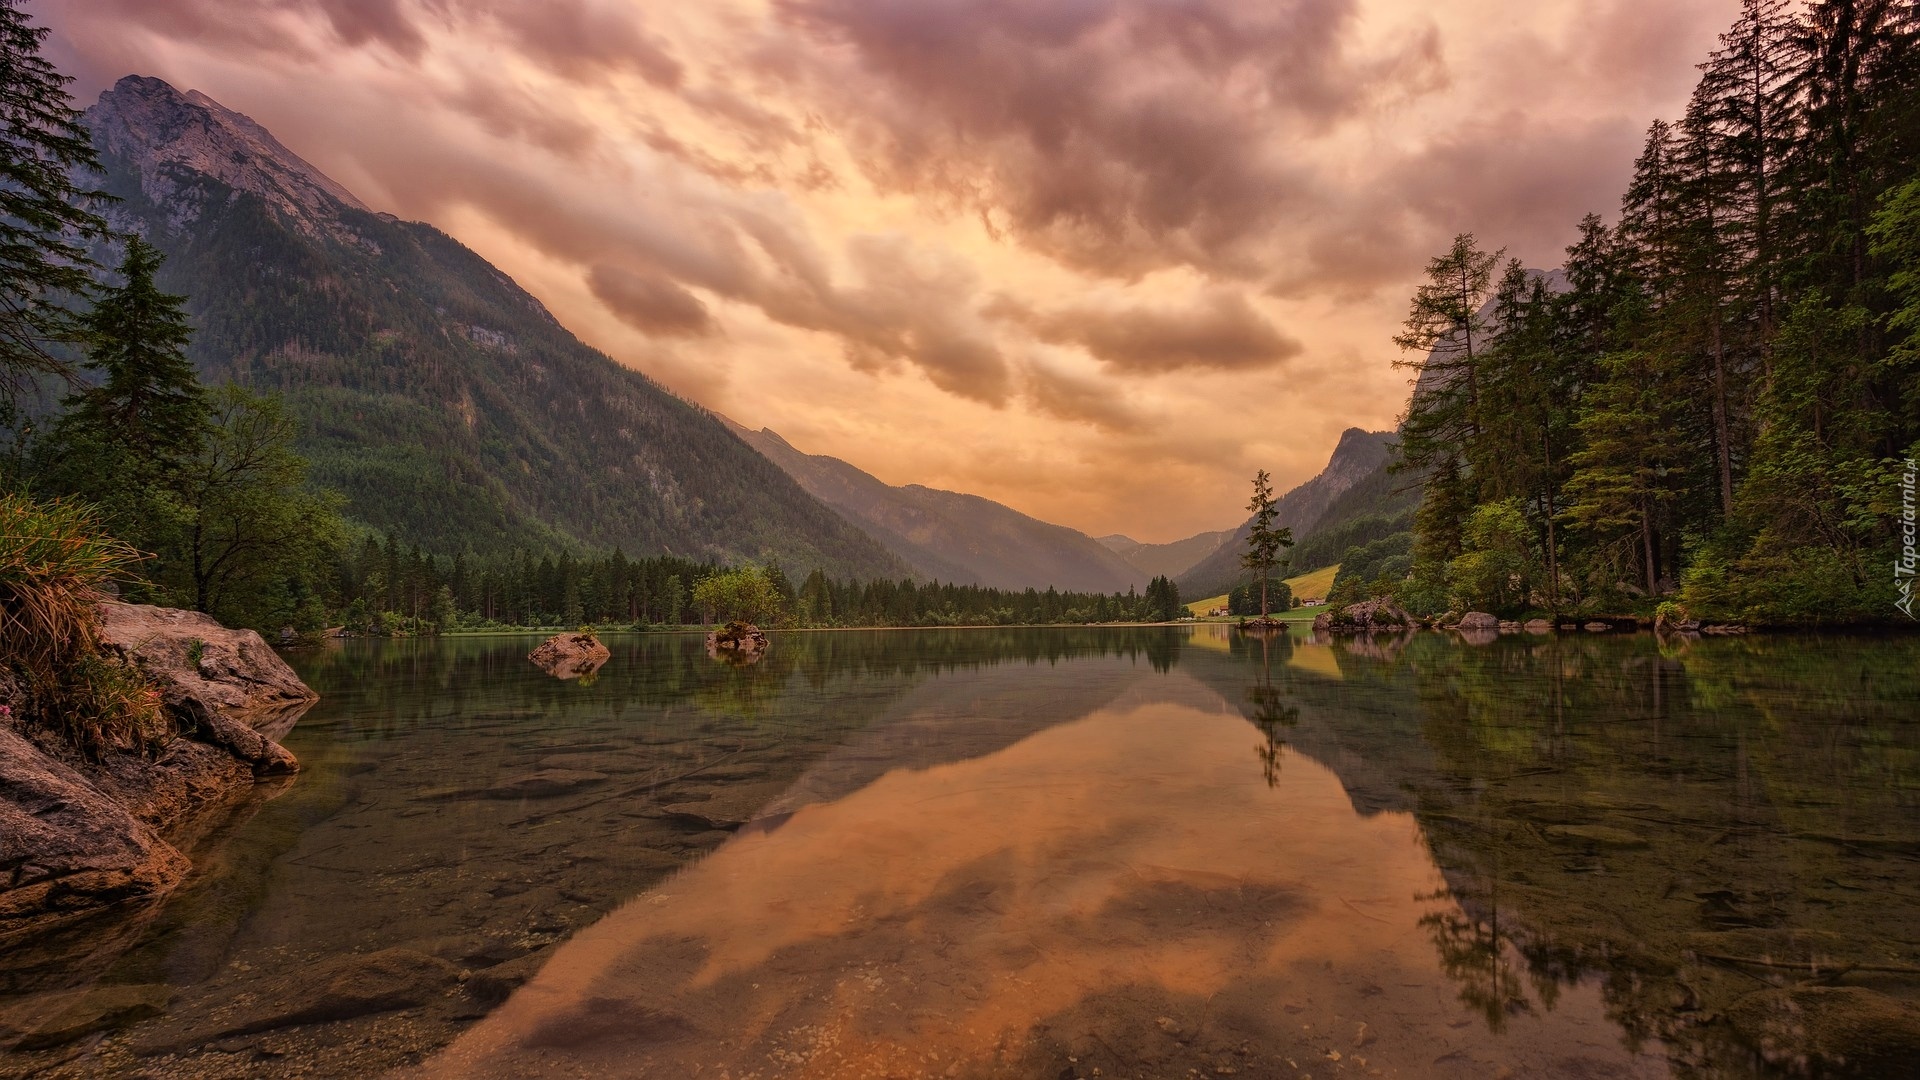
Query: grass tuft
53 560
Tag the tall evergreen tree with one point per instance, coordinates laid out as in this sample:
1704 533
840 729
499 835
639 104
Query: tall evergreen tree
1263 540
48 219
149 400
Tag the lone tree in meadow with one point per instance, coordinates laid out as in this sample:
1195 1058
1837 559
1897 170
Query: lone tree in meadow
1263 540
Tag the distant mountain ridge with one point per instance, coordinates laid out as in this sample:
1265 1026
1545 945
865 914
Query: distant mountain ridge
439 397
1359 456
951 536
1165 560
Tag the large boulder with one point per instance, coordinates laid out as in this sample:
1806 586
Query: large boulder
67 849
200 665
1479 620
1377 614
570 656
82 835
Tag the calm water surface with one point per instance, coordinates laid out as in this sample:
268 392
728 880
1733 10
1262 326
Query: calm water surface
1045 853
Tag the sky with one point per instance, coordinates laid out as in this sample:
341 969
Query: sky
1099 260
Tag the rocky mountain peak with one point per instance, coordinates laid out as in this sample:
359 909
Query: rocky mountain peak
170 140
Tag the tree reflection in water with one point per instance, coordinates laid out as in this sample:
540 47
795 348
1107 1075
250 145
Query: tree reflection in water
1271 712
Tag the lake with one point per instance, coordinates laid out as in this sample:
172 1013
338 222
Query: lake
1050 853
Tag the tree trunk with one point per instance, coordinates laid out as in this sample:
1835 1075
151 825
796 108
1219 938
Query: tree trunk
1721 436
1646 540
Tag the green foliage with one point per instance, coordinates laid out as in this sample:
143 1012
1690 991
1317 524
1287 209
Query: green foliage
1496 571
254 536
747 594
148 402
1714 402
47 218
1162 603
1379 568
1244 600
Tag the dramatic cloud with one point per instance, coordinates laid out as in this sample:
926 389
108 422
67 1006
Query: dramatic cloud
650 303
1221 331
1043 250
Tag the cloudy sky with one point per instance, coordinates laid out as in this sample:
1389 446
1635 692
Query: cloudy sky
1097 259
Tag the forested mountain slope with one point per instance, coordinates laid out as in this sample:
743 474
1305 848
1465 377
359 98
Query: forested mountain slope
441 399
953 537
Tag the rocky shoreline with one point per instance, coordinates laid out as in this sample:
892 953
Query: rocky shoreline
83 838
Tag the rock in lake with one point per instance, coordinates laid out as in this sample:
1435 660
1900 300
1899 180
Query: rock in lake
737 641
570 656
1539 626
1377 614
1479 620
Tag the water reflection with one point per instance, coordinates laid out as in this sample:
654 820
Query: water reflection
1039 852
1108 894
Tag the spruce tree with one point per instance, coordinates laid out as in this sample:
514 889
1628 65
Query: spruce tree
149 400
1263 540
47 217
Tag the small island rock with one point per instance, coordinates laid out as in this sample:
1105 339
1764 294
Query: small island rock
570 656
737 639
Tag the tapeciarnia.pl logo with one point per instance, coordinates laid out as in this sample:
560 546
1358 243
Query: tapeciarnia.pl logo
1908 561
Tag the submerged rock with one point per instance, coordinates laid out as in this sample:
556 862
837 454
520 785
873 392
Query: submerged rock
570 656
1831 1030
1597 835
62 1018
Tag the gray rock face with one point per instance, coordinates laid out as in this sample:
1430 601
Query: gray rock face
1479 620
178 138
198 662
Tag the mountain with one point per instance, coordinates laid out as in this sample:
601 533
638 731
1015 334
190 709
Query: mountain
1359 457
1165 560
440 398
949 536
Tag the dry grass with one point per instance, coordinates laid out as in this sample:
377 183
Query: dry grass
53 560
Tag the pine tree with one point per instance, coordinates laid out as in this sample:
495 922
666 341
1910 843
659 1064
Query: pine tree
47 217
148 401
1263 540
1448 328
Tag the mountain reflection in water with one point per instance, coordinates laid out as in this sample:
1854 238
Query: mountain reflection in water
1147 852
1112 893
